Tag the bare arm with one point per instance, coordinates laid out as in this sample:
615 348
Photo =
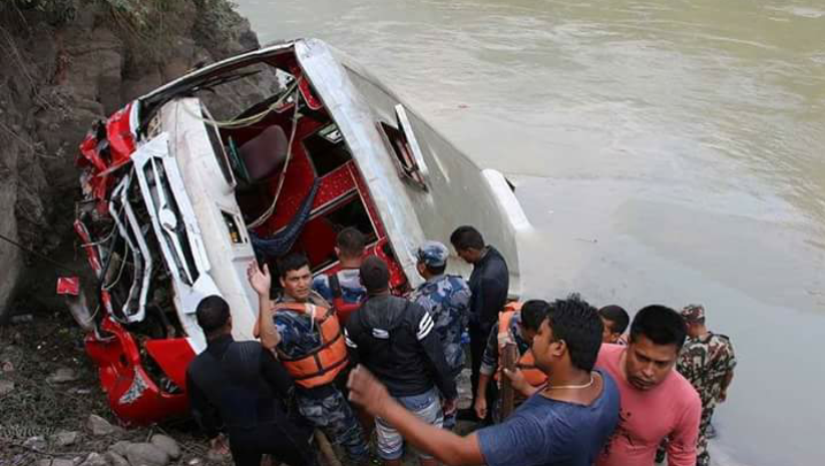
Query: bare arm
520 384
265 325
447 447
481 396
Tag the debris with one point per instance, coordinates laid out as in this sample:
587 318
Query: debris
95 459
35 443
327 452
6 387
100 426
19 319
115 460
167 444
192 462
146 454
120 447
62 375
55 462
65 438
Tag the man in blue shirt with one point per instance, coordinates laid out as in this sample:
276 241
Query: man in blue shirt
566 423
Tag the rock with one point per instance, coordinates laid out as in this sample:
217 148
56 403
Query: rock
115 460
65 438
95 459
55 462
8 366
120 447
195 462
62 375
6 387
101 427
146 454
167 444
35 443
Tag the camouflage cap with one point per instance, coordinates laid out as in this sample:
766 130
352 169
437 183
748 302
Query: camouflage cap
693 312
433 254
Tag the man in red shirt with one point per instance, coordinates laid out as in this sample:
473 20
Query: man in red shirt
656 401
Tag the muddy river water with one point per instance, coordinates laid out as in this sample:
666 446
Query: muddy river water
668 152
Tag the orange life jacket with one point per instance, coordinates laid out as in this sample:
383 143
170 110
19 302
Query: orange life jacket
526 362
321 366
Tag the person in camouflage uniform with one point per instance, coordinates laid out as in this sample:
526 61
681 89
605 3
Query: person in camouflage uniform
294 335
447 299
706 361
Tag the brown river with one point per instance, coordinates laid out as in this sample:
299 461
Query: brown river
664 151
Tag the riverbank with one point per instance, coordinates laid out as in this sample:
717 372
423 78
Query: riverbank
63 65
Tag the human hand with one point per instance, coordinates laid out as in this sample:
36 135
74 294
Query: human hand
517 380
449 407
218 447
481 407
366 391
260 280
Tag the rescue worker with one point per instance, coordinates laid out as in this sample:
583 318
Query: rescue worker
304 331
447 299
241 386
517 324
615 320
489 285
396 338
343 288
707 361
565 424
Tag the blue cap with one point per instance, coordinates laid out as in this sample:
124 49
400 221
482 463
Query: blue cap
433 254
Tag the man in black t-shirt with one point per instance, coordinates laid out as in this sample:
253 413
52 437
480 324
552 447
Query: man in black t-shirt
242 387
396 339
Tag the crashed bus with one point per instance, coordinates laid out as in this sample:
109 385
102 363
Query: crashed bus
261 154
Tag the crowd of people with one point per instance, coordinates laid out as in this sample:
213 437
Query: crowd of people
339 353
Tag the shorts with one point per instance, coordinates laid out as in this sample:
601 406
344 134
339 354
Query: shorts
426 406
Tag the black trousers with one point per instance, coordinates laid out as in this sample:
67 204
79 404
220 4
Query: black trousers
478 342
287 445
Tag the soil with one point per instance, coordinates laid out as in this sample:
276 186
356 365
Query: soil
29 353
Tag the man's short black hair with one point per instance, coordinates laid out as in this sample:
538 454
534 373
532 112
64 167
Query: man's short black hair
466 237
212 313
290 262
661 324
351 242
577 323
375 275
533 313
617 316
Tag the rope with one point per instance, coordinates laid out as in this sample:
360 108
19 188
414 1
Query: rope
252 119
37 254
265 216
126 252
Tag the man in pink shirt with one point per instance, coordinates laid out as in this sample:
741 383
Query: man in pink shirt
656 401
